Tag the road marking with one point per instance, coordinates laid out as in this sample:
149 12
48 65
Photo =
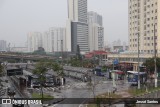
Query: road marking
54 105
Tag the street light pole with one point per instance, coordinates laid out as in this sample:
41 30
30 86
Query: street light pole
155 72
138 65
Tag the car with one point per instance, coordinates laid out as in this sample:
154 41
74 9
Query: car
11 91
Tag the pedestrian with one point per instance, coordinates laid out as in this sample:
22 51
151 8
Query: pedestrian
64 80
114 89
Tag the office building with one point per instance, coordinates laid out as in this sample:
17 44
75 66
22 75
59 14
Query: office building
93 17
143 16
77 26
96 31
3 45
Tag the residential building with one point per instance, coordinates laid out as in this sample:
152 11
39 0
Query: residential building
54 40
47 42
34 40
96 31
143 16
3 45
77 26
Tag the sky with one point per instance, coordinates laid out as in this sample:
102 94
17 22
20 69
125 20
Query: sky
18 17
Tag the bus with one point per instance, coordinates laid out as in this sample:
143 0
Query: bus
99 71
133 77
49 80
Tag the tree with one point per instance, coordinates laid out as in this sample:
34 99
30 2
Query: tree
78 53
150 64
57 68
40 68
75 62
91 86
1 68
1 71
40 51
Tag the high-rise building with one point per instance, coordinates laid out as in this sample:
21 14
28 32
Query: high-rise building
47 41
3 45
34 41
77 26
77 10
54 40
93 17
143 16
96 31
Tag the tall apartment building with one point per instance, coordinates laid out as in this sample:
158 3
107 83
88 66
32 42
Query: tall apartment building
77 26
54 39
34 40
96 31
143 16
47 42
3 45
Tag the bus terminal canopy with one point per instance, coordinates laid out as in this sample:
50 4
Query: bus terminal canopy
136 72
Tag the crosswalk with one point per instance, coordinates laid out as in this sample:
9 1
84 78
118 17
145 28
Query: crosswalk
52 88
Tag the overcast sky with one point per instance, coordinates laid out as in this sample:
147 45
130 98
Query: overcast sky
18 17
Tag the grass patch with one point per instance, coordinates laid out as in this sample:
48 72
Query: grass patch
111 95
136 92
92 105
37 95
100 98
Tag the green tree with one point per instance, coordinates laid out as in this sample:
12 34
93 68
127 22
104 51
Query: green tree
40 51
150 64
57 68
1 68
40 68
75 62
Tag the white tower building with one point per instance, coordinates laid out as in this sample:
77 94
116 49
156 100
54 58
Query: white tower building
34 40
96 31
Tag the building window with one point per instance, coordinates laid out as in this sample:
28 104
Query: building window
156 11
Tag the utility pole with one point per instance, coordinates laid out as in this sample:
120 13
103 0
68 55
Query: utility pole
138 64
155 60
113 75
62 51
94 75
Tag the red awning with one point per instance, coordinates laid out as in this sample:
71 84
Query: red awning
120 72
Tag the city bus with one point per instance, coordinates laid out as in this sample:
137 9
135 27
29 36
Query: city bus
133 77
